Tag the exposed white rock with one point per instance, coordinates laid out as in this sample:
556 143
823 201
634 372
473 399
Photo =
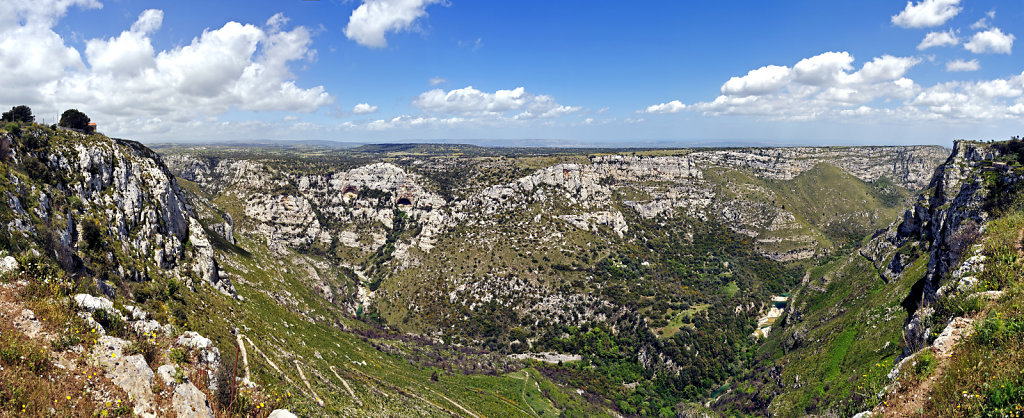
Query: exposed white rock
206 352
281 413
27 323
93 303
166 373
130 373
8 265
189 402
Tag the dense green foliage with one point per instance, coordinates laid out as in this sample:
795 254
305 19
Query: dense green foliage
21 114
74 119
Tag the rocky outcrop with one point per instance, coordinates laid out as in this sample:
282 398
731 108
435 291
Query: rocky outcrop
130 373
189 402
119 186
942 224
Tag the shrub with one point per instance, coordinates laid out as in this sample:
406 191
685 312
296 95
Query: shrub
112 323
13 128
924 364
178 355
1004 396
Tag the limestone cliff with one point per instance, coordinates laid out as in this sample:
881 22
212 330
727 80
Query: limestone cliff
75 196
355 207
951 214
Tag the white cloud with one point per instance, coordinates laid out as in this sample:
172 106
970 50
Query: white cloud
372 20
972 101
827 87
131 88
757 82
149 21
363 109
991 41
436 80
961 65
543 107
674 106
927 13
812 88
31 53
471 102
129 53
823 69
469 107
933 39
983 22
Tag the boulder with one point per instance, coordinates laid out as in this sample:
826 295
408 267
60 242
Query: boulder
8 265
189 402
93 303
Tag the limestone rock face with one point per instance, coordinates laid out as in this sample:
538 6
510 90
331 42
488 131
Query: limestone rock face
356 208
130 373
126 191
952 209
189 402
93 303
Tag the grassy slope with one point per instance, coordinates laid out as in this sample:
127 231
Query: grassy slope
458 254
831 206
846 340
984 376
307 327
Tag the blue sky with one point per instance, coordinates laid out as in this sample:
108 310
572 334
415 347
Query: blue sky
563 72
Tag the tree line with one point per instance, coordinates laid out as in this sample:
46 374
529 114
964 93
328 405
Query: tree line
71 118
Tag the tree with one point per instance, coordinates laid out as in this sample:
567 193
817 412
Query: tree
74 119
19 113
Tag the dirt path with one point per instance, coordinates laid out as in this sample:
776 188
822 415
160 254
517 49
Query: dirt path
910 400
306 381
245 358
347 387
522 394
468 412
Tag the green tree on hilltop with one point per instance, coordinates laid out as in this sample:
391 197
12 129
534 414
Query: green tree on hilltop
19 113
74 119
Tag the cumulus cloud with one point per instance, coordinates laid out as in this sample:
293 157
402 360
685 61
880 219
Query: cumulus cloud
364 109
132 88
469 101
927 13
992 41
933 39
961 65
809 89
674 106
760 81
372 20
973 101
436 80
830 86
31 53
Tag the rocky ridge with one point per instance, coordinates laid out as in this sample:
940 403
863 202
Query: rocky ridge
356 207
951 213
120 186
